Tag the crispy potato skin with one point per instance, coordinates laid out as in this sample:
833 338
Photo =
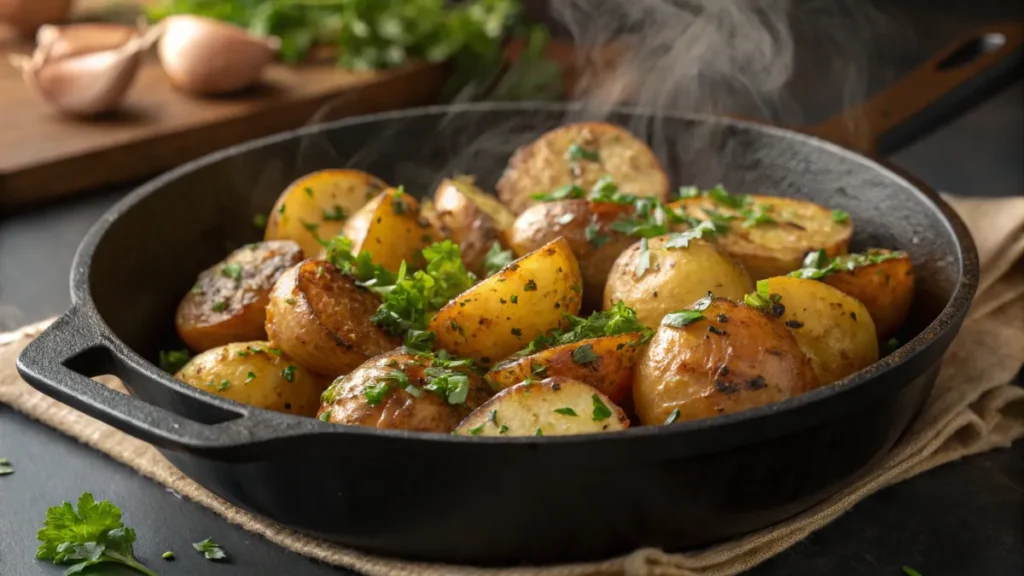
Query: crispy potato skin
220 309
324 198
886 289
757 361
394 231
471 218
345 402
676 278
529 409
499 315
834 330
611 374
543 166
767 250
321 318
250 373
540 224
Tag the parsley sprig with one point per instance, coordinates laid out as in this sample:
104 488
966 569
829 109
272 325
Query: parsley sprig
763 299
497 258
817 264
620 319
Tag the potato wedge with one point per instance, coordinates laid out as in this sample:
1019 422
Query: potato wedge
393 230
388 391
256 374
552 407
498 316
323 200
321 318
834 330
774 248
605 363
229 300
580 154
675 277
884 284
472 219
586 226
732 359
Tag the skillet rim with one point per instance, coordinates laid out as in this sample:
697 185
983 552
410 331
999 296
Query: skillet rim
299 426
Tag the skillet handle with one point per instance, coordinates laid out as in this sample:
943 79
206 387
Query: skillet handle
60 361
960 76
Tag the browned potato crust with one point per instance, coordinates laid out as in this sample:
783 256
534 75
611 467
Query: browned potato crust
734 359
775 249
552 407
596 251
347 402
320 317
323 200
471 218
547 163
395 232
228 301
677 277
256 374
886 289
611 372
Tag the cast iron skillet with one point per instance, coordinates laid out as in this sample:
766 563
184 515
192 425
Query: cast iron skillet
500 500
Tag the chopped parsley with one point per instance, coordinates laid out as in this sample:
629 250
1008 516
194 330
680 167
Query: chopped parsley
174 360
673 416
210 549
530 286
593 235
502 429
308 191
289 373
892 344
249 377
167 555
584 354
576 152
399 205
476 431
566 411
539 432
567 192
517 332
419 340
444 380
259 221
681 318
840 216
325 415
817 265
620 319
719 195
601 410
334 214
5 467
764 300
687 192
643 261
220 305
375 393
683 239
496 259
514 299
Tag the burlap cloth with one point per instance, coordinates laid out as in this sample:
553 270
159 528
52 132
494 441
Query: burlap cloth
974 408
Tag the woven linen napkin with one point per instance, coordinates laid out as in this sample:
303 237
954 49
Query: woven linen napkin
974 408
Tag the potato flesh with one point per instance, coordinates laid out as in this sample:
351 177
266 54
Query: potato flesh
501 314
834 330
886 289
552 407
395 232
228 302
256 374
545 165
323 199
676 278
734 359
471 219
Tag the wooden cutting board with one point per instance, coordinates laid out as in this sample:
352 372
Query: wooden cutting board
44 155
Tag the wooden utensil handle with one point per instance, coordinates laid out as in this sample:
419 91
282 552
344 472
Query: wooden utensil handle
958 77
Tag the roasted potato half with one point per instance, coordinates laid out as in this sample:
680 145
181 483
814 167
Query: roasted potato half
883 281
393 232
605 363
498 316
580 154
732 359
388 391
659 280
834 330
776 243
256 374
229 299
321 318
586 226
472 219
551 407
318 204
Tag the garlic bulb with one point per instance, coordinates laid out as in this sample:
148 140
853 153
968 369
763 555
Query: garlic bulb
206 56
24 16
75 39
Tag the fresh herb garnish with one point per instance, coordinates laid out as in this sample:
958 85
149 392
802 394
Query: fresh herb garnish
259 221
817 265
683 239
476 431
5 467
539 432
399 205
673 416
620 319
335 213
167 555
764 300
442 378
530 286
601 410
496 259
232 270
502 429
643 261
910 571
593 235
681 318
566 411
419 340
517 332
568 192
220 306
210 549
840 216
376 392
584 354
249 377
576 152
687 192
892 344
289 373
91 535
173 360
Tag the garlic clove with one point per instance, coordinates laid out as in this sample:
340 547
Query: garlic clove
75 39
206 56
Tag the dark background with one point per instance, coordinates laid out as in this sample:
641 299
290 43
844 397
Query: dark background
964 518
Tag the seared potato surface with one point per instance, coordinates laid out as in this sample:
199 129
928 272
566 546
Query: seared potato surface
471 218
394 232
886 289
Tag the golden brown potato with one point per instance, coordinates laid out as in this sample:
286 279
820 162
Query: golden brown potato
393 231
580 154
732 359
318 204
498 316
674 277
552 407
228 302
883 281
471 218
605 363
777 247
586 227
321 318
834 330
256 374
389 391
